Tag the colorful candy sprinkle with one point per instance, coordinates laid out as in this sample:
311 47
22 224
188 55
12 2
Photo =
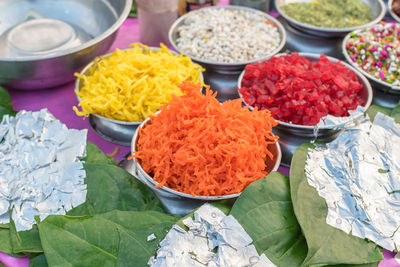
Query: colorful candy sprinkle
376 51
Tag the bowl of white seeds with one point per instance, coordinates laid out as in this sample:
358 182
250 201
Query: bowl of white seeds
227 38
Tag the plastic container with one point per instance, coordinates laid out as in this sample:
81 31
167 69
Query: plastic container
155 19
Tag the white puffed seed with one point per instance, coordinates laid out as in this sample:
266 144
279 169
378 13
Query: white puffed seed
227 36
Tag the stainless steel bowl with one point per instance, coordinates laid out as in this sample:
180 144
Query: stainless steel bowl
397 18
291 136
223 76
384 93
179 203
115 131
298 41
378 11
43 43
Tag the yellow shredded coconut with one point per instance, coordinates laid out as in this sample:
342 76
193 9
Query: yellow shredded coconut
130 85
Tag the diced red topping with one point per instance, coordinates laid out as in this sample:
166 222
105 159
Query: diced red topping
301 91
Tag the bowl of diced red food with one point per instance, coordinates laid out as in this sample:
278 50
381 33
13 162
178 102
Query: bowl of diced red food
313 96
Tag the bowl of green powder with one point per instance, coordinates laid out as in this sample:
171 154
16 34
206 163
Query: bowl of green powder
331 18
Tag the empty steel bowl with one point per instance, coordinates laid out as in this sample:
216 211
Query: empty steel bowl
291 136
384 93
179 203
115 131
378 11
43 43
223 76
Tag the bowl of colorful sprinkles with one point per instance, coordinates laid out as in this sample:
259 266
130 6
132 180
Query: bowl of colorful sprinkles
226 38
120 90
375 51
331 18
198 150
313 96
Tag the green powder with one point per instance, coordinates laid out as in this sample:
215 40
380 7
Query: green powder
330 13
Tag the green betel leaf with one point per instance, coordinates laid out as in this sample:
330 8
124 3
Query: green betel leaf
5 104
374 109
326 244
265 211
96 240
5 99
110 187
5 242
25 241
95 156
134 247
396 113
38 261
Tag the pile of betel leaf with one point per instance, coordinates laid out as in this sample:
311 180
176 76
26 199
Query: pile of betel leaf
285 217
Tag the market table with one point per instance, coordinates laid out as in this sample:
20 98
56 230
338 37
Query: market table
60 100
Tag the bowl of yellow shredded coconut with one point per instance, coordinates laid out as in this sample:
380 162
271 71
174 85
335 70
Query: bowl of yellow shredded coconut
121 89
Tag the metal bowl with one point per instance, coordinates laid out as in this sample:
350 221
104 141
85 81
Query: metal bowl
291 136
179 203
378 11
43 43
397 18
223 76
220 66
384 93
115 131
298 41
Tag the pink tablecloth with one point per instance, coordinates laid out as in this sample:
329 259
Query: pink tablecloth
60 101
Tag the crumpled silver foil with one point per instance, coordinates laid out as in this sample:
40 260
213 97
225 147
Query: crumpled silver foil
342 122
210 229
358 174
40 168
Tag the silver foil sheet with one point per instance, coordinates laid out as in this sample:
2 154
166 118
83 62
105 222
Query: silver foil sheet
342 122
211 229
40 168
358 174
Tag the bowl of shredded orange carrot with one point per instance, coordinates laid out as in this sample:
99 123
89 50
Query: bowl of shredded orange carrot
197 150
121 89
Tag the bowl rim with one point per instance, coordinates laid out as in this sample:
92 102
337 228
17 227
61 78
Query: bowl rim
348 59
310 27
396 18
180 194
364 80
113 28
281 30
98 58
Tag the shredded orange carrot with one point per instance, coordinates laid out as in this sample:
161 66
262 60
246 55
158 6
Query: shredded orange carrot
197 146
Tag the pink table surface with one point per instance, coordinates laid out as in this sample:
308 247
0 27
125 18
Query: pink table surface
60 100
